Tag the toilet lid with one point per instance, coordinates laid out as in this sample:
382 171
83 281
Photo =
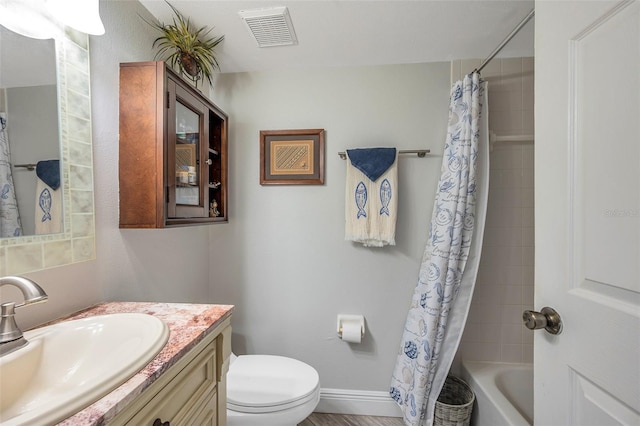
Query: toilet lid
267 383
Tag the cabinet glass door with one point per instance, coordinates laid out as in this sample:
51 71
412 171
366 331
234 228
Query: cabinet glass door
188 122
188 127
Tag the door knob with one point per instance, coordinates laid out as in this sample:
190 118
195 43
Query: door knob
547 318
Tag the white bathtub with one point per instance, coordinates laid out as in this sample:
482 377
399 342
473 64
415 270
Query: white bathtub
504 393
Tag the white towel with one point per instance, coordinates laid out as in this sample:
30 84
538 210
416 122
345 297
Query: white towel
48 216
371 205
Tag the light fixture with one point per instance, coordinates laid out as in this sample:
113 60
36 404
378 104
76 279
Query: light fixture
28 18
82 15
42 19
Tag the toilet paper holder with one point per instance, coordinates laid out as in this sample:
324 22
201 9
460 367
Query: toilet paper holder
344 318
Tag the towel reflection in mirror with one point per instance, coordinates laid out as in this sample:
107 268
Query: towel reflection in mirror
48 217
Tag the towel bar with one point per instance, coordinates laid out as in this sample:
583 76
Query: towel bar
29 166
419 152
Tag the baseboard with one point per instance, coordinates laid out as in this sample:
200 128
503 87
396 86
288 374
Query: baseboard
358 402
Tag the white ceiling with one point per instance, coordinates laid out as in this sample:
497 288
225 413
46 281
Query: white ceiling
356 33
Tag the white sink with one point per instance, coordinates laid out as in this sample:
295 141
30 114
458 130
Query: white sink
69 365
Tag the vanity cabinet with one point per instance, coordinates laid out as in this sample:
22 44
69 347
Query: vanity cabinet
173 150
191 392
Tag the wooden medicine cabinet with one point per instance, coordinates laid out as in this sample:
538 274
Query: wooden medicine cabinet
173 151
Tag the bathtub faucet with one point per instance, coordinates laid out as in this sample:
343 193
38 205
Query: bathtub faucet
11 337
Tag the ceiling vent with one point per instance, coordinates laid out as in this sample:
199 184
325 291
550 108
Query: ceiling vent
270 26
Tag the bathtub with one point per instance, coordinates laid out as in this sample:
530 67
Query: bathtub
504 393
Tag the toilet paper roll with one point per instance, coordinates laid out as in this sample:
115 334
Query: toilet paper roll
351 331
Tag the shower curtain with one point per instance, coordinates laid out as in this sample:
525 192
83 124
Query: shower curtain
9 216
448 271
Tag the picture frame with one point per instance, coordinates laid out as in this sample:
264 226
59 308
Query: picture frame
292 157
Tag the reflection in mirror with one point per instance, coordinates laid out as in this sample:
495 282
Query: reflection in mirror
29 137
74 240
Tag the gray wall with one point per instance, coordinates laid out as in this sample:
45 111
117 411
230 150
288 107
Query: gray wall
159 265
282 258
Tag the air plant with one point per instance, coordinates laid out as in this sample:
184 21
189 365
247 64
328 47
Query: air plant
189 49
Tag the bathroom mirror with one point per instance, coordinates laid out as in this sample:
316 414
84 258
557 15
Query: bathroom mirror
29 95
75 239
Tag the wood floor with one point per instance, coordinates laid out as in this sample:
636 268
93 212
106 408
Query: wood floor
321 419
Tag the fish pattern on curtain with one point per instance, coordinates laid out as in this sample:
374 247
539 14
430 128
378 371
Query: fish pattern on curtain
420 371
9 215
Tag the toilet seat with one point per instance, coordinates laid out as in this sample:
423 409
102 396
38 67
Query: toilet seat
269 383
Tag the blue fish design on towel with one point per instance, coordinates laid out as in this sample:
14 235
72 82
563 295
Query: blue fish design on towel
371 196
45 204
361 199
385 197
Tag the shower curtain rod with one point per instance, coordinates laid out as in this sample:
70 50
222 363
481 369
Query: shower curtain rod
506 40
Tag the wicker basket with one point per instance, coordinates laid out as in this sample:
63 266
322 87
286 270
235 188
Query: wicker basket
454 404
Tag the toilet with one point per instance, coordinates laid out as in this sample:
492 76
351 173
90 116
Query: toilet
269 390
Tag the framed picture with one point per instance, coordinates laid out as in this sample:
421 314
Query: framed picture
292 157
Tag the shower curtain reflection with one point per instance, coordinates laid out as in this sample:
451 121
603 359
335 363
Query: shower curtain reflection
9 215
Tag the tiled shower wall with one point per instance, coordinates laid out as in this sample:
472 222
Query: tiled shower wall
504 287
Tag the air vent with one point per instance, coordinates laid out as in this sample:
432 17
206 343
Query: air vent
270 26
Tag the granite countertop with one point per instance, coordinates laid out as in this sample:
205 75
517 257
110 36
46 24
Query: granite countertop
188 325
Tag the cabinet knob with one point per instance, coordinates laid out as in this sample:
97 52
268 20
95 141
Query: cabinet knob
209 161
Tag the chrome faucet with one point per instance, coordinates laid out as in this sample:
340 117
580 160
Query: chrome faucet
11 337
